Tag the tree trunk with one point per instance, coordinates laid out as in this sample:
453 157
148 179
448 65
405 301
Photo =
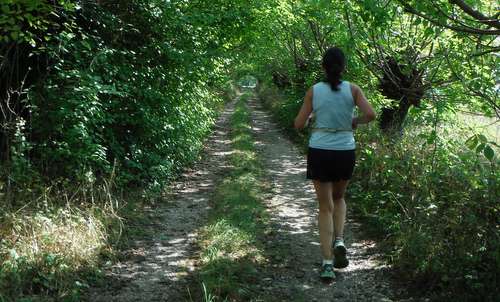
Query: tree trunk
405 89
392 118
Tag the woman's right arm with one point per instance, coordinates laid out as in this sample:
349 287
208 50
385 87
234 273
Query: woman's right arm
363 105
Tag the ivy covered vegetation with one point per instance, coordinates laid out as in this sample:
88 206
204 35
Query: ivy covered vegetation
99 98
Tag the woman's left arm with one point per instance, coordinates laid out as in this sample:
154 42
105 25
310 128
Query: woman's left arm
305 111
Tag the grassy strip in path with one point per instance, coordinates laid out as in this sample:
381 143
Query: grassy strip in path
231 252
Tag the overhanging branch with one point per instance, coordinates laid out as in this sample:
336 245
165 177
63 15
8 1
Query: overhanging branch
492 21
470 30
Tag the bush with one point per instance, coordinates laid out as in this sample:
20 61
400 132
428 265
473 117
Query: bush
53 252
109 88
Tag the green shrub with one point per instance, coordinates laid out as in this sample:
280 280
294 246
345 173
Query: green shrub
53 253
113 88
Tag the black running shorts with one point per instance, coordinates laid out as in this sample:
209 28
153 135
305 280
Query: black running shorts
330 165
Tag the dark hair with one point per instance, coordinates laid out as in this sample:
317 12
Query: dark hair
334 65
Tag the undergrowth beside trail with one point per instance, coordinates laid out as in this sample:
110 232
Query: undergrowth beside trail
434 200
231 251
56 238
56 247
52 249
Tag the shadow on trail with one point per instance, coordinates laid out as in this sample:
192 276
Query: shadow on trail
163 266
154 259
158 262
293 242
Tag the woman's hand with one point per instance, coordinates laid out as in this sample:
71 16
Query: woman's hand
354 123
365 107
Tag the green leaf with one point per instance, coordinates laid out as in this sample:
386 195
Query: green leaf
432 137
429 32
471 143
480 147
488 152
482 138
86 45
14 35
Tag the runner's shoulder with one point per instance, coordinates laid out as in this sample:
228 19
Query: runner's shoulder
354 87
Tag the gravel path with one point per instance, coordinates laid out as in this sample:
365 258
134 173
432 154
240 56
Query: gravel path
293 276
158 266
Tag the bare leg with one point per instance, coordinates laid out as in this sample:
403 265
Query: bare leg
339 206
325 218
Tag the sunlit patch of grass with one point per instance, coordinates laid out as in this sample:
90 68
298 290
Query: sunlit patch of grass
231 251
227 241
52 252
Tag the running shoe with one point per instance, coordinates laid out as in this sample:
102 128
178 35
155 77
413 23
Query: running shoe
327 272
340 254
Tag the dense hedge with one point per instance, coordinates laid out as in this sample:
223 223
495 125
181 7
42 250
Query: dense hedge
98 98
128 88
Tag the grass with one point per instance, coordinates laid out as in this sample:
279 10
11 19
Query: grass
231 251
54 247
50 250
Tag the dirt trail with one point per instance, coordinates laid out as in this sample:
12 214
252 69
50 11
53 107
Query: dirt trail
294 273
158 266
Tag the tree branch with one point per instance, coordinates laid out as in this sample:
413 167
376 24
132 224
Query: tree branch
475 31
473 91
476 14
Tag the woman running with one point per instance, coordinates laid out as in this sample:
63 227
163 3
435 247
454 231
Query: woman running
331 158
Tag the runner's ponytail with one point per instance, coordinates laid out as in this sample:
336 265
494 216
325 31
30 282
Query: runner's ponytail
334 65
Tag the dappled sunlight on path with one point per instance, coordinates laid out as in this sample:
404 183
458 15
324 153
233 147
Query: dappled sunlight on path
294 271
159 263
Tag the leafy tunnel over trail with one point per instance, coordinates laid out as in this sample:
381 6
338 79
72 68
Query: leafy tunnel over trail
100 98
